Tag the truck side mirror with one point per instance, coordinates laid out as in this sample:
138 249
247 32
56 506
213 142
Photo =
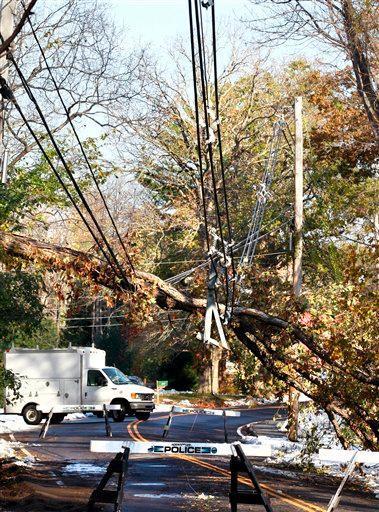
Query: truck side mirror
104 382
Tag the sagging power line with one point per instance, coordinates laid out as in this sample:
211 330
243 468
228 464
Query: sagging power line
80 143
99 238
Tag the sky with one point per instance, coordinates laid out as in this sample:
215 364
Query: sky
160 22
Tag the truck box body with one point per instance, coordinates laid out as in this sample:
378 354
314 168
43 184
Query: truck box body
72 376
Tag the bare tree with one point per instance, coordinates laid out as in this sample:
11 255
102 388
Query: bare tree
348 26
94 74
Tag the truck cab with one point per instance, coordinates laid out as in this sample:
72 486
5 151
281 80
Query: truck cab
109 385
71 377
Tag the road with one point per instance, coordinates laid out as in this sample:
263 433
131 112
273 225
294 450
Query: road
66 471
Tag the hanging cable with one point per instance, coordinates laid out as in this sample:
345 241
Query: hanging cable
69 195
80 145
221 156
209 139
72 178
179 277
262 196
197 119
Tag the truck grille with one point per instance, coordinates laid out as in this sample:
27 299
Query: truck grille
147 397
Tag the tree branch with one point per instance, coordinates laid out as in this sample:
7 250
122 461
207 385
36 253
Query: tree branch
8 41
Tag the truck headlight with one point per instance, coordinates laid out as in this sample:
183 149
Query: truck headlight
134 395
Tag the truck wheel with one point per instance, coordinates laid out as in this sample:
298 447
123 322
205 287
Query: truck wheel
57 418
142 416
119 416
31 415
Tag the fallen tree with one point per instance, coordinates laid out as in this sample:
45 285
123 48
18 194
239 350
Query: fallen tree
347 392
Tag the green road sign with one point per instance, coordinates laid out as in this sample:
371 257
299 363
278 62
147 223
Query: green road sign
162 383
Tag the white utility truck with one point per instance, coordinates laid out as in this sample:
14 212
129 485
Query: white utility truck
73 376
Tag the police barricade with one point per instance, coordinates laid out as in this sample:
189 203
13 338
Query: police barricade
350 457
189 410
69 409
117 467
239 463
238 460
178 448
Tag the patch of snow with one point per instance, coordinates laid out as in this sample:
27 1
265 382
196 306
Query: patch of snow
75 416
83 468
11 450
14 423
185 403
205 497
275 471
315 432
302 399
240 402
163 407
6 449
174 392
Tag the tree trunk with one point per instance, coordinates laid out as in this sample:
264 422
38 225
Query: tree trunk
363 75
293 413
210 378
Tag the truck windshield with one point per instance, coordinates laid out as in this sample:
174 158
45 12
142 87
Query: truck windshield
116 376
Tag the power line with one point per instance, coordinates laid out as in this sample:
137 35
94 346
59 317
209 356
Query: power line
48 159
128 284
209 143
263 195
80 144
221 156
175 279
197 118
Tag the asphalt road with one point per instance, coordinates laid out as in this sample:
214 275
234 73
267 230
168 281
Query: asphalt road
67 471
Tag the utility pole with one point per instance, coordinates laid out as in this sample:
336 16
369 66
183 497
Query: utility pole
293 394
7 10
298 235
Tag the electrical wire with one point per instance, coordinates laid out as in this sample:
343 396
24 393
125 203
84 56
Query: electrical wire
62 183
80 144
209 142
179 277
221 156
72 179
197 118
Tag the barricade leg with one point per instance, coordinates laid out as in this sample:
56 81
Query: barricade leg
233 483
225 429
46 425
108 428
166 428
119 465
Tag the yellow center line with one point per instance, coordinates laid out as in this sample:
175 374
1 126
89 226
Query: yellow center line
296 502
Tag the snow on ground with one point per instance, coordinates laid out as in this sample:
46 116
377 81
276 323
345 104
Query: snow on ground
75 416
10 423
13 423
174 392
83 468
315 432
163 407
6 449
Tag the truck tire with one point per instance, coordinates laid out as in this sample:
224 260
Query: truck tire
119 416
142 415
31 415
57 418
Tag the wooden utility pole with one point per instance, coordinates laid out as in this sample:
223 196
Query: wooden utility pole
6 29
298 234
293 394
